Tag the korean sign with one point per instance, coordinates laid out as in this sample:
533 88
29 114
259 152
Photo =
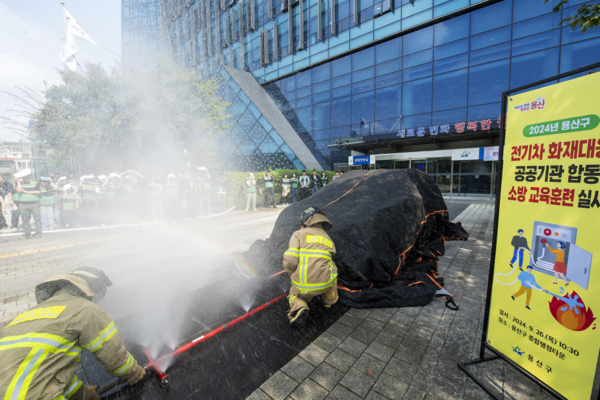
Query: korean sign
546 286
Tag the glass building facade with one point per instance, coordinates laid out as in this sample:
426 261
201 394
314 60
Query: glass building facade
140 24
355 69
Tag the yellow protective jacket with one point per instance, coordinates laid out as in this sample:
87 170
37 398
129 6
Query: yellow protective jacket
309 258
40 350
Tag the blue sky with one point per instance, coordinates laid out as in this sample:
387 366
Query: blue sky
30 44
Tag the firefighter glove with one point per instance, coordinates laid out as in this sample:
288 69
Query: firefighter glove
89 393
137 376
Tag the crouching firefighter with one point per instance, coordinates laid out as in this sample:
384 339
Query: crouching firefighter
309 262
41 348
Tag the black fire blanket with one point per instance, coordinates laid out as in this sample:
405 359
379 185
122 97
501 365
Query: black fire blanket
389 229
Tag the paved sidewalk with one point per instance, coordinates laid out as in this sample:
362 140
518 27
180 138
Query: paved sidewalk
409 353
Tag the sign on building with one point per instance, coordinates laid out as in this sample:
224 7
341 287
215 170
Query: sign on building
361 160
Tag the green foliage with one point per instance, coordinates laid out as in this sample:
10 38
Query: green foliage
587 16
156 118
236 184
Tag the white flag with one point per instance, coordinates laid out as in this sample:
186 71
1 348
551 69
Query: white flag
72 29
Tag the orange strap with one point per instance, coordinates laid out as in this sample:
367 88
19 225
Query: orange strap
278 273
416 283
344 195
434 281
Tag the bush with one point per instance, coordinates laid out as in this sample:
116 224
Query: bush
236 185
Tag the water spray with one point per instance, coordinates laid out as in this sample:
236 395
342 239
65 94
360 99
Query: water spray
156 364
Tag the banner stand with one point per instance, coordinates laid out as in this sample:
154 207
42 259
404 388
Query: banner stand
497 355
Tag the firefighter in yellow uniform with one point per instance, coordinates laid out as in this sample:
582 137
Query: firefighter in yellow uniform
309 262
41 348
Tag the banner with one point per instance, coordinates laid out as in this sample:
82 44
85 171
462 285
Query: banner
546 285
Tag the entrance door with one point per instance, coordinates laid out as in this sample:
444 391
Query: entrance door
420 165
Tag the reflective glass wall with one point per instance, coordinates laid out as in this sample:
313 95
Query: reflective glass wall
450 72
140 25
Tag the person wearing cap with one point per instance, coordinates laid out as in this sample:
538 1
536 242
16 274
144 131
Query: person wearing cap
41 348
269 189
112 187
250 192
70 204
309 261
29 202
47 201
172 198
203 189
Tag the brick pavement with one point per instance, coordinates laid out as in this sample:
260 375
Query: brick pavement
409 353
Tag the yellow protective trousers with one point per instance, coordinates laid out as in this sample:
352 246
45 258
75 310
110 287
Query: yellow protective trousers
300 300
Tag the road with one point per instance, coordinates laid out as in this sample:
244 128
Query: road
147 263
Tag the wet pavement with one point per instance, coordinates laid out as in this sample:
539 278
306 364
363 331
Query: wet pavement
174 283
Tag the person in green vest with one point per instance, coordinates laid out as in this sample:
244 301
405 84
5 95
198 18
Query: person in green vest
324 179
203 189
250 192
157 199
70 204
172 198
294 187
47 201
285 189
269 190
112 186
89 201
29 202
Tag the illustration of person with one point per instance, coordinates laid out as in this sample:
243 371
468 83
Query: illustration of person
527 283
560 268
517 242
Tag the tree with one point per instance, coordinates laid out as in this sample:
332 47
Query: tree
587 16
157 118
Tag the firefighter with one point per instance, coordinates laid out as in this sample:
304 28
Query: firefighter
309 262
41 348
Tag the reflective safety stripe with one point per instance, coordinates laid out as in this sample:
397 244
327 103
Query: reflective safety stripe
292 252
85 273
326 255
312 287
19 386
43 341
38 313
123 368
292 298
319 239
105 335
74 387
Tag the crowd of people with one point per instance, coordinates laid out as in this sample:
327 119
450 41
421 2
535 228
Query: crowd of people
289 188
67 201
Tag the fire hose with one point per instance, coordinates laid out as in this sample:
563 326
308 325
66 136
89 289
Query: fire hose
156 364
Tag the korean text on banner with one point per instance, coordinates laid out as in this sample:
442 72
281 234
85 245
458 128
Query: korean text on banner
546 286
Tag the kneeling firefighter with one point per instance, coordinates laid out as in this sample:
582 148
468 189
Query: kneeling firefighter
309 262
41 348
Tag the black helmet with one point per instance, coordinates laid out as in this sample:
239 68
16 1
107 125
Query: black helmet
309 212
96 280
